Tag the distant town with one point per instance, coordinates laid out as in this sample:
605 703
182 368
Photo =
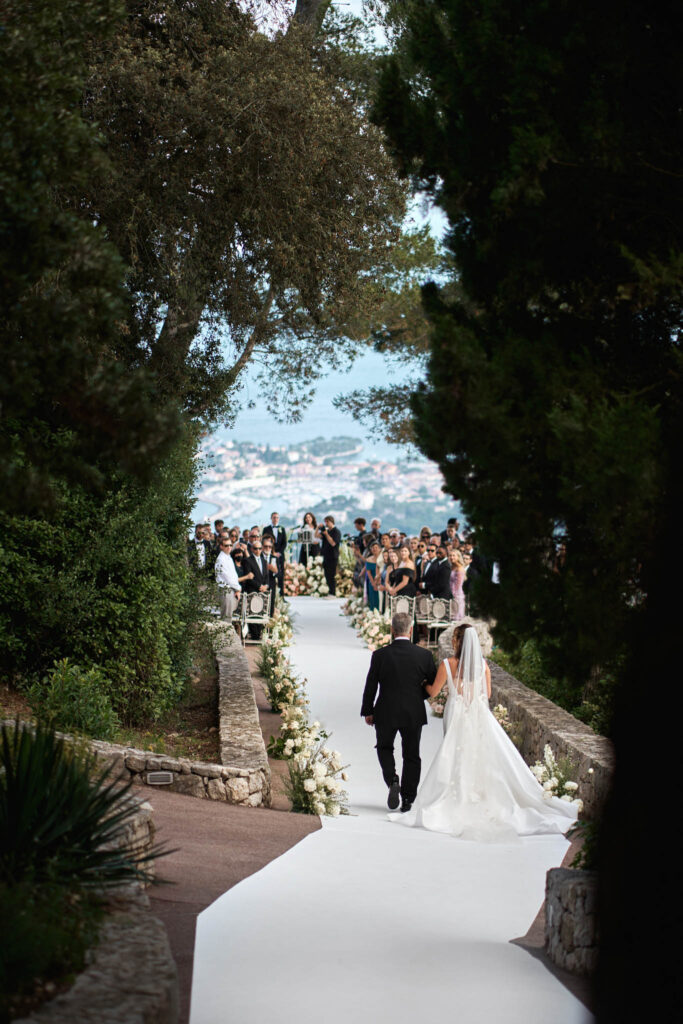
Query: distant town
245 482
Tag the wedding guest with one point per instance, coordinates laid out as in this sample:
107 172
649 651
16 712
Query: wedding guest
228 584
199 552
217 526
372 577
313 550
425 534
272 560
359 524
234 534
254 538
413 543
451 532
375 525
428 570
390 564
401 579
441 582
239 558
279 535
457 579
330 539
257 566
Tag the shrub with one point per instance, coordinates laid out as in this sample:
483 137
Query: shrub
58 817
51 928
75 699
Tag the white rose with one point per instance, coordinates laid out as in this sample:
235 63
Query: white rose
334 811
309 785
571 786
319 808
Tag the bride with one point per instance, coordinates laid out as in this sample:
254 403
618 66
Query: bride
478 785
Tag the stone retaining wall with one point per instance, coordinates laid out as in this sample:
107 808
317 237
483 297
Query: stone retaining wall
539 721
131 977
570 919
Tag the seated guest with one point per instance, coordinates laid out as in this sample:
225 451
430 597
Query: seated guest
402 578
312 550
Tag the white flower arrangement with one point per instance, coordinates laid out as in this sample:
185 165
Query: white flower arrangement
313 786
372 627
553 776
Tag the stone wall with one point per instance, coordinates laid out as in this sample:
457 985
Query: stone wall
539 721
570 919
131 977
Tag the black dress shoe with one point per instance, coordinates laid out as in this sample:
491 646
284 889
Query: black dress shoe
406 805
392 799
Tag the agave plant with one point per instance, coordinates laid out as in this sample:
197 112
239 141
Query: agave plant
59 817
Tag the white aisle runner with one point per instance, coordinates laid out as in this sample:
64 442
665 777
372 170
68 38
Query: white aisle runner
365 921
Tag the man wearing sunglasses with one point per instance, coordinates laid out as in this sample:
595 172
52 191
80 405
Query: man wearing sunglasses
226 578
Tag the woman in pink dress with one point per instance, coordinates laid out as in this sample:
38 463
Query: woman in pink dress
457 580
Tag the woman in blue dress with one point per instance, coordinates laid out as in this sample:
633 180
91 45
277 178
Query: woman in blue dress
371 579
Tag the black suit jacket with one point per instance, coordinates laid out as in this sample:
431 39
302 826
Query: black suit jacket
440 580
401 671
209 556
252 564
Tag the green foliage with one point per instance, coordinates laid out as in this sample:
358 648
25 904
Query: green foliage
57 817
587 857
73 699
105 584
67 401
554 377
48 929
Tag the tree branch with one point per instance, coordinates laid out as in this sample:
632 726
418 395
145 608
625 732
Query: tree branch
255 337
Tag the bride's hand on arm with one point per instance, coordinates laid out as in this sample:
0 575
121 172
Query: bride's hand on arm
439 680
488 680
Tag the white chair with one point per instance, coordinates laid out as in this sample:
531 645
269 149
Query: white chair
399 605
439 618
255 612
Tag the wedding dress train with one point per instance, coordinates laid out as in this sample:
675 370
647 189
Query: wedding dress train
478 786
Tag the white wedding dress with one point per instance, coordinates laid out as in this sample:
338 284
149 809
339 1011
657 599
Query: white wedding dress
478 786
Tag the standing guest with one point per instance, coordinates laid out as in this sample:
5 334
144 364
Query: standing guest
390 565
425 534
403 537
428 570
271 560
254 538
228 583
457 564
245 537
330 539
234 534
279 535
372 577
395 538
257 566
217 526
414 549
358 577
313 549
199 554
451 532
239 557
359 524
375 525
441 580
402 578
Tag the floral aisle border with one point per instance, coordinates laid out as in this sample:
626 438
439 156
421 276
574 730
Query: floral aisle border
554 776
316 772
309 580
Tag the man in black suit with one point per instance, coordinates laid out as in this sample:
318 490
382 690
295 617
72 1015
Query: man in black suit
273 568
279 535
440 580
330 539
428 570
200 553
401 671
257 565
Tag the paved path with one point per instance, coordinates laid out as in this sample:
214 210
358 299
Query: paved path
366 921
